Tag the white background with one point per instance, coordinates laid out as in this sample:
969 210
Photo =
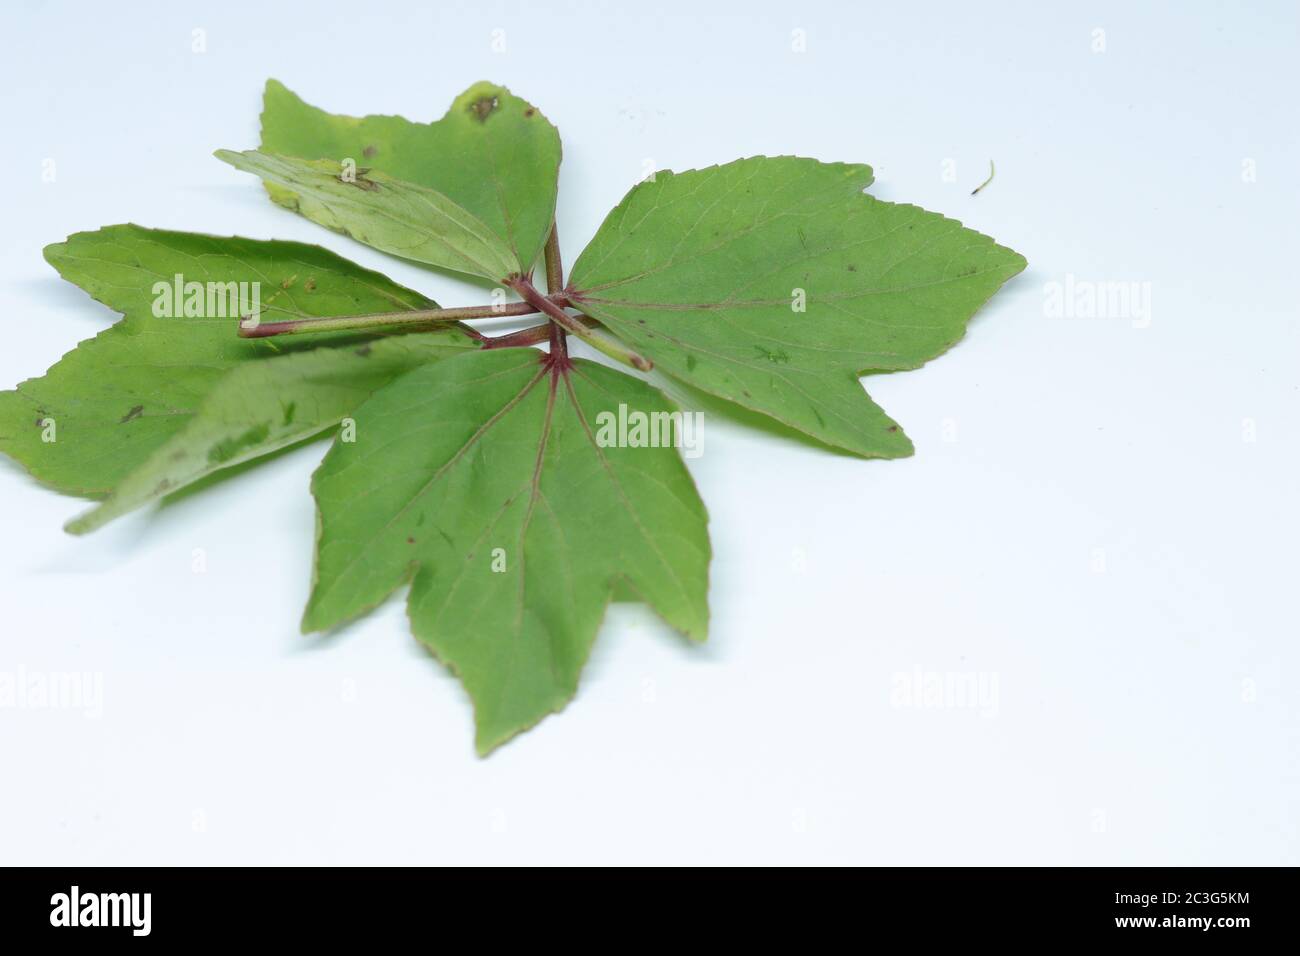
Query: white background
1101 537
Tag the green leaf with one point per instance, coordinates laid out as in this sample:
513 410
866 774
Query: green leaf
704 271
493 154
390 214
517 493
117 398
260 407
482 480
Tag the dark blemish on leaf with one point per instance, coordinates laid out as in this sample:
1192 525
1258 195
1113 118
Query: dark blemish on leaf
359 180
363 351
745 393
131 415
162 486
483 106
288 283
225 450
853 268
530 111
776 357
892 428
309 285
180 454
445 536
691 363
641 321
369 151
817 415
288 412
803 240
410 540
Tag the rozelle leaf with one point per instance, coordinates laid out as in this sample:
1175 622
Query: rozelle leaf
516 492
773 282
493 154
259 407
390 214
111 402
483 480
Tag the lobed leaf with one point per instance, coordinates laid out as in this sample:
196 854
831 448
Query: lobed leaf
260 407
481 481
117 398
392 215
706 271
493 154
486 479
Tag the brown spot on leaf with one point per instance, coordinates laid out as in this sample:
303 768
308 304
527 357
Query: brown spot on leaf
309 285
483 106
410 541
358 179
369 151
363 351
530 111
131 415
892 428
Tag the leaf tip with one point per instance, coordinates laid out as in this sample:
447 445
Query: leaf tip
308 624
54 251
83 523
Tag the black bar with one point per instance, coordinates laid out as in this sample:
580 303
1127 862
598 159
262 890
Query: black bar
338 907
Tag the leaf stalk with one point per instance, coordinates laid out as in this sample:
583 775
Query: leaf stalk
384 320
601 343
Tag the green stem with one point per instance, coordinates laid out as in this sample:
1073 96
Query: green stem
601 343
385 320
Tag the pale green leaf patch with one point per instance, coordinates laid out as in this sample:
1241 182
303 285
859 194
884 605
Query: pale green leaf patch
117 398
260 407
493 155
392 215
